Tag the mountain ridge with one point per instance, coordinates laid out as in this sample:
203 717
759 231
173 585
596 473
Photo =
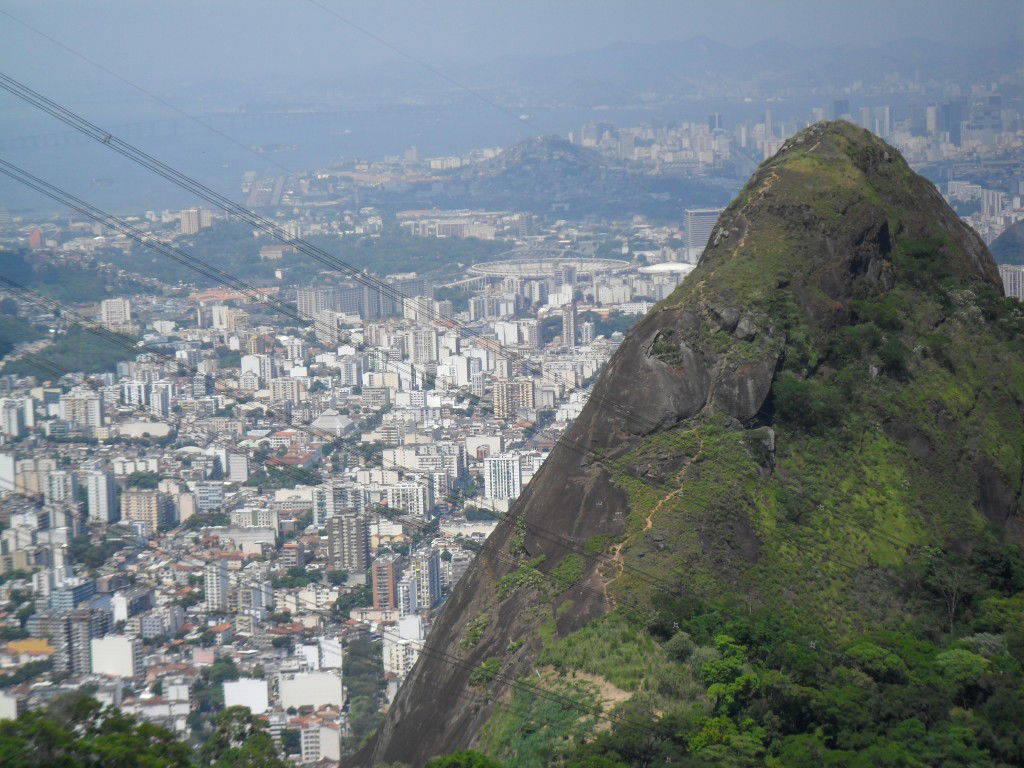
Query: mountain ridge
781 444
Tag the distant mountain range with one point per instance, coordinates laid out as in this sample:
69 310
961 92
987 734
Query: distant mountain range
646 73
549 175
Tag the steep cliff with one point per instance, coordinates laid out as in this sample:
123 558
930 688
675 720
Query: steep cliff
800 473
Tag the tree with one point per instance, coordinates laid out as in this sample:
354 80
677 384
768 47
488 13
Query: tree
291 741
239 740
143 480
466 759
76 731
951 578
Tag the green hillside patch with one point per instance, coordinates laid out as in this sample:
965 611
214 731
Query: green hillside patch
611 648
14 330
541 723
76 350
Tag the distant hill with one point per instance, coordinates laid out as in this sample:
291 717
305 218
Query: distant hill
550 175
1008 248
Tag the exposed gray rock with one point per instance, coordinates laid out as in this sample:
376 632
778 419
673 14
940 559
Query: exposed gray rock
745 329
728 318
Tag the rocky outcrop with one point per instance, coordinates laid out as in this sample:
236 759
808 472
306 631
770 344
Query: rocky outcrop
826 221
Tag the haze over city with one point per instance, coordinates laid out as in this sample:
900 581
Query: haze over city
586 384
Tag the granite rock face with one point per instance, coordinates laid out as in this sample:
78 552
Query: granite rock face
816 228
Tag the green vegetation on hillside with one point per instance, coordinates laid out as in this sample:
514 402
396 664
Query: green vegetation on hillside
76 350
14 330
838 581
230 246
65 282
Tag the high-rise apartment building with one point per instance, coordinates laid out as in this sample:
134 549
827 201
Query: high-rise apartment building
190 221
82 407
215 586
260 365
384 581
1013 280
503 477
314 299
100 496
116 656
422 345
61 487
12 417
699 223
569 320
153 508
288 389
348 542
70 633
425 568
511 396
116 314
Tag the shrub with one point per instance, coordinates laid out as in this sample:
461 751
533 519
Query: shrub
485 672
961 667
680 646
806 404
882 665
895 357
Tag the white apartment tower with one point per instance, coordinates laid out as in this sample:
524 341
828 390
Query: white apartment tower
100 497
503 477
215 586
82 406
116 313
699 223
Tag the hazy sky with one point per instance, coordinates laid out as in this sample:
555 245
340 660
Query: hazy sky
162 42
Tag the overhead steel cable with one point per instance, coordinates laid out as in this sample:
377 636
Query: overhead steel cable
198 121
321 256
204 268
274 230
552 537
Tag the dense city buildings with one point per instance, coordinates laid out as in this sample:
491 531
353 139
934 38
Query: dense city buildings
253 490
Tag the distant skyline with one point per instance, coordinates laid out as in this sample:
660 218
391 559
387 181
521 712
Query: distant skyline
323 88
164 43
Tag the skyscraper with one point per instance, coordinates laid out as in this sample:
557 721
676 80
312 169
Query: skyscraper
348 542
503 477
384 579
699 223
215 586
569 325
